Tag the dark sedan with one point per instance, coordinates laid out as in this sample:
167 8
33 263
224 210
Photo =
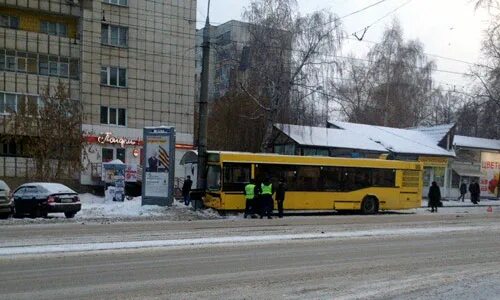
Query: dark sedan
38 199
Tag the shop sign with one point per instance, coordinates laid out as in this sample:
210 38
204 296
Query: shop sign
108 138
490 169
433 161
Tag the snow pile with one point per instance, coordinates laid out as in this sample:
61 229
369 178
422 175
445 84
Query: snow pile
94 207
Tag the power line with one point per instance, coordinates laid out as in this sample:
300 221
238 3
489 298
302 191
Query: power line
362 9
381 18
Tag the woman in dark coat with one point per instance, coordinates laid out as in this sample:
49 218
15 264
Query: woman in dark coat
434 196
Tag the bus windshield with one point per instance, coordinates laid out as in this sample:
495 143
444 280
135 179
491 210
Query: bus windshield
213 178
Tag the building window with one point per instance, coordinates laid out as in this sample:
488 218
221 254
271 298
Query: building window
114 76
9 149
33 63
10 103
9 21
107 154
114 35
54 28
117 2
113 116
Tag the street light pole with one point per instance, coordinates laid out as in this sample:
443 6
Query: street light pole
203 107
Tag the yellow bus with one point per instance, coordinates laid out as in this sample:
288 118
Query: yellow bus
314 182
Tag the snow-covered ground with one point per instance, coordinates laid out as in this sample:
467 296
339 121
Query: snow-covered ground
98 209
94 207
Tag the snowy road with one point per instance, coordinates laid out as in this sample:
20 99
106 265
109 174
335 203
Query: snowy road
378 257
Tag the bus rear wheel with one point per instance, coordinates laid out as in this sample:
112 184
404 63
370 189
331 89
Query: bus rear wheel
369 206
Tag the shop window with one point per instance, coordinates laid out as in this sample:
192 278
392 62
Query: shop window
439 176
107 154
236 176
120 154
455 180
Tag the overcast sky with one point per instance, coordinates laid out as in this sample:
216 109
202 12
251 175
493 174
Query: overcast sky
448 28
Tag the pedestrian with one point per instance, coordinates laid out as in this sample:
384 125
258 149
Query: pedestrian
475 191
250 197
186 189
280 196
434 196
266 198
463 191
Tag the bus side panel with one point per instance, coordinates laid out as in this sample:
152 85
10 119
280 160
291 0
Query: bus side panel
307 200
410 200
233 201
212 201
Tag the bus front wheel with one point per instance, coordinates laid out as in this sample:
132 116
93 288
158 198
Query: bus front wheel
369 206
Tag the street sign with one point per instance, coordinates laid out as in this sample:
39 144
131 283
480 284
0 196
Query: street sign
159 166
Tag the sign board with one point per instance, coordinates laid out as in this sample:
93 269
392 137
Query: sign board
433 161
159 166
131 173
490 170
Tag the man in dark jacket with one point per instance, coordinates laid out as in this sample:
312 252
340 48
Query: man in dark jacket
475 191
463 191
186 189
434 196
280 196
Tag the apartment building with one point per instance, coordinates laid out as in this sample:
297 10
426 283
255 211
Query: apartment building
130 63
229 56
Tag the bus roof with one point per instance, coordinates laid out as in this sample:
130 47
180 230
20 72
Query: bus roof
226 156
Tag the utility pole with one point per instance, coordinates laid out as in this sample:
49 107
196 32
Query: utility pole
203 113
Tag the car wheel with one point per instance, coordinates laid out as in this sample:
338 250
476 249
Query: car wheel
70 215
369 206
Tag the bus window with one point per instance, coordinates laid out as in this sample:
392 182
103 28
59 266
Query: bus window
236 176
384 177
308 178
356 178
331 178
213 177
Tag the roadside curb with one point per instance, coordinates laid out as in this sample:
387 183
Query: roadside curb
472 205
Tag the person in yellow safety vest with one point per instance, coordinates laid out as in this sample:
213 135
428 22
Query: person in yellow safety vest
266 192
251 192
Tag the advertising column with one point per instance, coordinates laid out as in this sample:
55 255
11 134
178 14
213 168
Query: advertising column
159 166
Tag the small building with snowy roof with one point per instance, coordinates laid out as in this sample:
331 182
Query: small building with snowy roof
476 159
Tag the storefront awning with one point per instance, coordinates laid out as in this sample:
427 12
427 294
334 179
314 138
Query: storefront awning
467 171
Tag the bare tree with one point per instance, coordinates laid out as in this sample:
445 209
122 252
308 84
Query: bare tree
391 87
286 49
49 131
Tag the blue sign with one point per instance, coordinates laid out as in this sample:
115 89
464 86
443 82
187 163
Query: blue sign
159 166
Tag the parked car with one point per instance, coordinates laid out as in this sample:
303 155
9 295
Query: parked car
6 205
41 198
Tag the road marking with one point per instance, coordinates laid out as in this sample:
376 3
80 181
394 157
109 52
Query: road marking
193 242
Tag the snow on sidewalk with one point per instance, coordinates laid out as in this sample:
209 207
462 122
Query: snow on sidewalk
94 207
